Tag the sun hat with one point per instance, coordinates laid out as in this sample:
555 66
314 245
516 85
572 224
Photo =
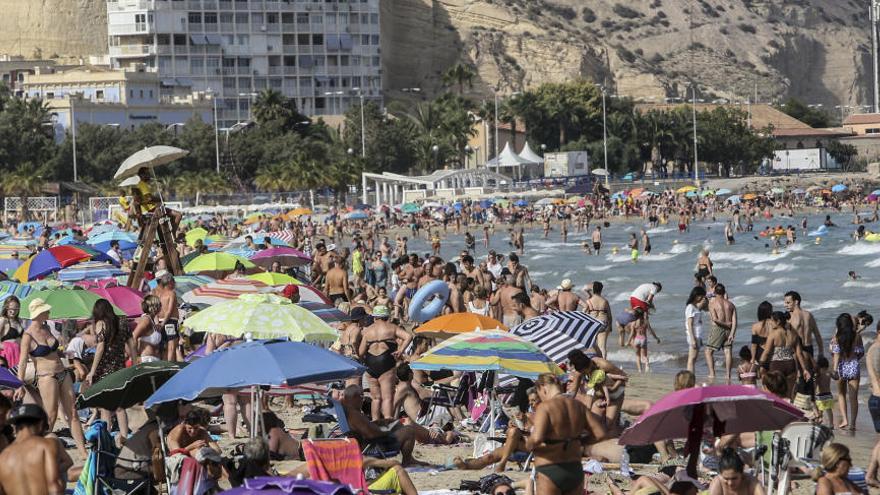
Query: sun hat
381 311
37 307
566 284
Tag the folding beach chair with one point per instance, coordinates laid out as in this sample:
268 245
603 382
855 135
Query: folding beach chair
795 449
98 475
343 430
447 397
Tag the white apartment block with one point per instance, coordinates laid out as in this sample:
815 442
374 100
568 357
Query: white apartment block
324 54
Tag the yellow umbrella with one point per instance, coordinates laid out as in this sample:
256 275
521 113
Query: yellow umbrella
749 196
195 235
685 189
272 278
298 212
573 200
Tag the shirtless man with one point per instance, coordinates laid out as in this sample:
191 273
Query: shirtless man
192 434
520 273
468 268
804 324
872 363
169 317
722 313
31 464
400 437
503 299
337 286
556 439
318 264
597 307
523 306
565 299
596 237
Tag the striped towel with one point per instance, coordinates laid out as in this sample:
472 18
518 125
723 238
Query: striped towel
336 460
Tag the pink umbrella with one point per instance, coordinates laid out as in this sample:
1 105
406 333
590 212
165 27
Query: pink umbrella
287 256
125 298
724 408
872 198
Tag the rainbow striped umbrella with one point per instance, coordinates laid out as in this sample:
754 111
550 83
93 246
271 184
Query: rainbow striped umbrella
488 351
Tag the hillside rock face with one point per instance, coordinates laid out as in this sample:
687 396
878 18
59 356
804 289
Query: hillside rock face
817 51
53 28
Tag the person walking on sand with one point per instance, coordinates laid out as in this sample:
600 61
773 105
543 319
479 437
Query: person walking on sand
722 315
872 358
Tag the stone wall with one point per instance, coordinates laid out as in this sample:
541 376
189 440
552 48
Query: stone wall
50 28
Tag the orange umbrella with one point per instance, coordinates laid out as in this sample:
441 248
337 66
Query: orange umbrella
455 323
749 196
637 191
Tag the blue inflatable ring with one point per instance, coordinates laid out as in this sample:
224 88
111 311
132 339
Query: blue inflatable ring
437 292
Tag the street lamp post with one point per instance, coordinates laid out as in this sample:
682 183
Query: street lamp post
696 162
363 130
71 98
605 142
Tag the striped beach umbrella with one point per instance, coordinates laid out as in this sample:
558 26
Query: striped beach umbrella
325 312
10 288
53 259
88 270
558 333
224 290
488 351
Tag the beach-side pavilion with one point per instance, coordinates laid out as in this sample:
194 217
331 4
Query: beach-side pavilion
390 187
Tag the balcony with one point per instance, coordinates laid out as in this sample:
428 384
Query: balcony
194 4
132 51
275 70
128 29
130 5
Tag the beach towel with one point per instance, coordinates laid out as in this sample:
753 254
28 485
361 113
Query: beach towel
102 449
336 460
190 476
11 352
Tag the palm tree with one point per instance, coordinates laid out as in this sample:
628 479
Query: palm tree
271 106
459 75
26 181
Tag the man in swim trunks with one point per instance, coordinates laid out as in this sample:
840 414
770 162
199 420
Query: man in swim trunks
169 317
643 296
503 299
803 322
565 299
557 438
722 313
337 286
596 237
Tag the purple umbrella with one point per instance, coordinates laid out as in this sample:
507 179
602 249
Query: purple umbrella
265 485
287 256
8 380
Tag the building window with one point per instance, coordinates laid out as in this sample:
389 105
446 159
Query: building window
287 18
210 18
141 93
872 130
302 39
271 18
50 95
317 39
195 17
99 94
302 18
241 18
131 93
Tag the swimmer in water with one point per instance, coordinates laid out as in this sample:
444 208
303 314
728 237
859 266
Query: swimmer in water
853 275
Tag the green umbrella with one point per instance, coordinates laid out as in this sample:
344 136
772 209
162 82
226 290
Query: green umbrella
67 304
410 208
196 234
216 262
129 386
263 316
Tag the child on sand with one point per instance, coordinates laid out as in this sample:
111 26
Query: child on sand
639 341
824 399
747 369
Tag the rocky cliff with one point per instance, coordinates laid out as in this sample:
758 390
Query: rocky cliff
53 28
818 51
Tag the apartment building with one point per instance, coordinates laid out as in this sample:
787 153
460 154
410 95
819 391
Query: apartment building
325 54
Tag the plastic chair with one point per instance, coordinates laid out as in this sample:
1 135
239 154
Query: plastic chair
796 448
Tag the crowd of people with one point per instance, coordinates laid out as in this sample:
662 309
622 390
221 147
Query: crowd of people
367 270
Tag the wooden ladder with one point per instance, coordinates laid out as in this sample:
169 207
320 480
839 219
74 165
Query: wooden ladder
159 224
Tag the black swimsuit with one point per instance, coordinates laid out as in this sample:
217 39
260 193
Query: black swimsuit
378 364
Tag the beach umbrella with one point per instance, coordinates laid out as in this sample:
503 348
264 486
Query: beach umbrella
37 228
149 157
254 217
521 203
723 192
457 323
217 262
20 242
490 350
272 278
776 190
876 192
872 198
112 235
88 270
262 316
326 312
356 215
9 380
691 194
298 212
241 252
7 264
749 196
309 293
431 204
636 191
10 288
618 195
124 298
129 386
224 290
410 208
707 192
726 409
559 332
280 363
734 199
196 234
67 304
798 191
646 194
839 188
600 172
283 485
287 256
51 260
685 189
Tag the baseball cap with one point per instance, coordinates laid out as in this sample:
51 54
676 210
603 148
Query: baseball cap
331 247
26 412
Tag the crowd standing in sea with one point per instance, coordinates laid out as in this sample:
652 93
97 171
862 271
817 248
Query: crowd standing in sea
362 264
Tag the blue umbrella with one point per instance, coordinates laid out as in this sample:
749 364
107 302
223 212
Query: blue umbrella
876 192
88 270
266 362
37 226
723 191
486 203
102 241
522 203
734 199
7 264
839 188
357 215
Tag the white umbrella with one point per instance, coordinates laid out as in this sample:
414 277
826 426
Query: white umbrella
600 171
149 157
130 182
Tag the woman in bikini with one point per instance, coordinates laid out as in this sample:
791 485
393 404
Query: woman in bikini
380 348
848 350
597 307
11 327
761 329
595 379
54 381
784 351
148 332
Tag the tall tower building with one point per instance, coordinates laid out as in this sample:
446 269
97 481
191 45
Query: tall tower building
322 53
